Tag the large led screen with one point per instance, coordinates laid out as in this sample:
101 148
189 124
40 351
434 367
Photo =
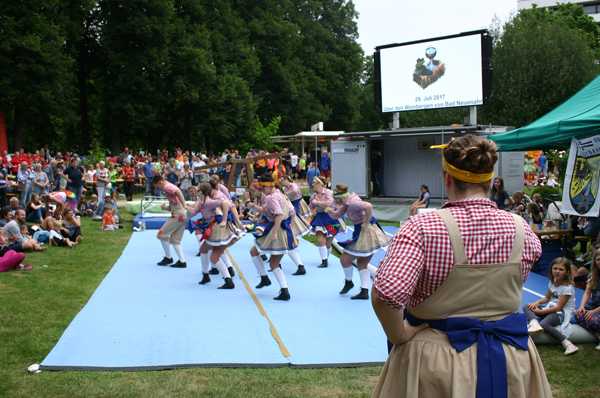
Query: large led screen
439 73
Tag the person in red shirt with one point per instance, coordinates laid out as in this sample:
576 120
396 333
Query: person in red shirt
128 175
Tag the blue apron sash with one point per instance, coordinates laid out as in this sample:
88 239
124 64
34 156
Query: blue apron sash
463 332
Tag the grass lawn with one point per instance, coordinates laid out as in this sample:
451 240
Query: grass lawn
37 306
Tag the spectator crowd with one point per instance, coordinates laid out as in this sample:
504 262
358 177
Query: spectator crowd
43 194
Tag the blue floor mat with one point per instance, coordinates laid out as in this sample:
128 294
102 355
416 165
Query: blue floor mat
319 327
147 317
143 316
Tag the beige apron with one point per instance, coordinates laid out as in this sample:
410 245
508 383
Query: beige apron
427 366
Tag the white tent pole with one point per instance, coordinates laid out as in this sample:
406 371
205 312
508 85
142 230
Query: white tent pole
316 146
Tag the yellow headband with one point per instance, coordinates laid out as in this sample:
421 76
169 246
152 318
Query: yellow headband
466 176
266 184
463 175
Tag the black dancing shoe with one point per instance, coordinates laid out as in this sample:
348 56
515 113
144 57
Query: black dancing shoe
284 295
348 285
264 281
179 264
264 257
324 264
300 271
363 295
205 279
213 271
199 253
165 261
227 285
231 271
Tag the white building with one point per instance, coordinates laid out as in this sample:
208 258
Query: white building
592 8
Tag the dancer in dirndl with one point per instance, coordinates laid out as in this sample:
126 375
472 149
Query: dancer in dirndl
322 224
276 237
367 238
294 194
218 234
171 232
216 184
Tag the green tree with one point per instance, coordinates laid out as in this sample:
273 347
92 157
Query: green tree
261 135
36 74
80 19
135 39
541 58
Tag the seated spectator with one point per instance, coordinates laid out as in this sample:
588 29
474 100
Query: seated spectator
518 204
535 209
556 308
56 233
422 202
588 313
35 209
592 227
16 240
10 259
72 226
90 206
108 220
4 216
13 206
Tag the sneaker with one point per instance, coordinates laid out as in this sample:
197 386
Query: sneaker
284 295
227 285
534 328
213 271
363 295
264 281
205 279
348 285
231 271
324 264
165 261
570 348
179 264
300 271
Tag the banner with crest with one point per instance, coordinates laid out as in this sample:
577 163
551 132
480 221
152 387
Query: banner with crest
582 179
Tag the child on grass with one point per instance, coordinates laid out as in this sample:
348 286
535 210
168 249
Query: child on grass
556 308
108 220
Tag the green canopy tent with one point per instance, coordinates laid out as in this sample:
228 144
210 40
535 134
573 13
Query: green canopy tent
578 117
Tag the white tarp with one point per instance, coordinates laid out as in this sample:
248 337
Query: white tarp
580 191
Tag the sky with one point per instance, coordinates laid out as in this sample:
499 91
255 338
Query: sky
383 22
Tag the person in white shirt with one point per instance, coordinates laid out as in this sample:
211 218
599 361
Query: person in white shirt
294 164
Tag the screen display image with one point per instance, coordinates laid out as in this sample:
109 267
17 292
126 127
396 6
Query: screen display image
439 73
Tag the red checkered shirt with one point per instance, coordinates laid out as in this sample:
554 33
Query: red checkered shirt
420 256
